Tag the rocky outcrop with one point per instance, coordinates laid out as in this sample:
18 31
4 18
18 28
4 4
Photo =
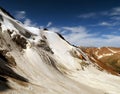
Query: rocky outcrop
21 41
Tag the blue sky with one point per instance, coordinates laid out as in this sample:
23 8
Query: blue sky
81 22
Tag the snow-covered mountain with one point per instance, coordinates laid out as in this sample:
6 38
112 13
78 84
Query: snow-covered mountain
36 61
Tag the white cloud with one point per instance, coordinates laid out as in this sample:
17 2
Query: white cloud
75 29
80 36
28 22
110 17
87 15
115 11
49 24
104 13
74 33
55 29
117 18
105 24
99 41
77 34
20 15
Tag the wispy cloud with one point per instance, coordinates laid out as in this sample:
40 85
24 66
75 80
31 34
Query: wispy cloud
56 29
20 15
81 36
75 34
49 24
110 13
117 18
87 15
28 22
115 11
105 24
108 17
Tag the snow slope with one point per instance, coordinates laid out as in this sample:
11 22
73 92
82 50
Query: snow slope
42 62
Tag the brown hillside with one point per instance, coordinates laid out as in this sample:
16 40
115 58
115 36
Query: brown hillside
107 58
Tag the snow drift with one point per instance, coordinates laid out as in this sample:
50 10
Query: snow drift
45 63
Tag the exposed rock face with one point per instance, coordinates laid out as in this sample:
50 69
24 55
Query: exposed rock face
1 18
21 41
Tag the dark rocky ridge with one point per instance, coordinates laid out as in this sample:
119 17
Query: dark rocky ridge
6 12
